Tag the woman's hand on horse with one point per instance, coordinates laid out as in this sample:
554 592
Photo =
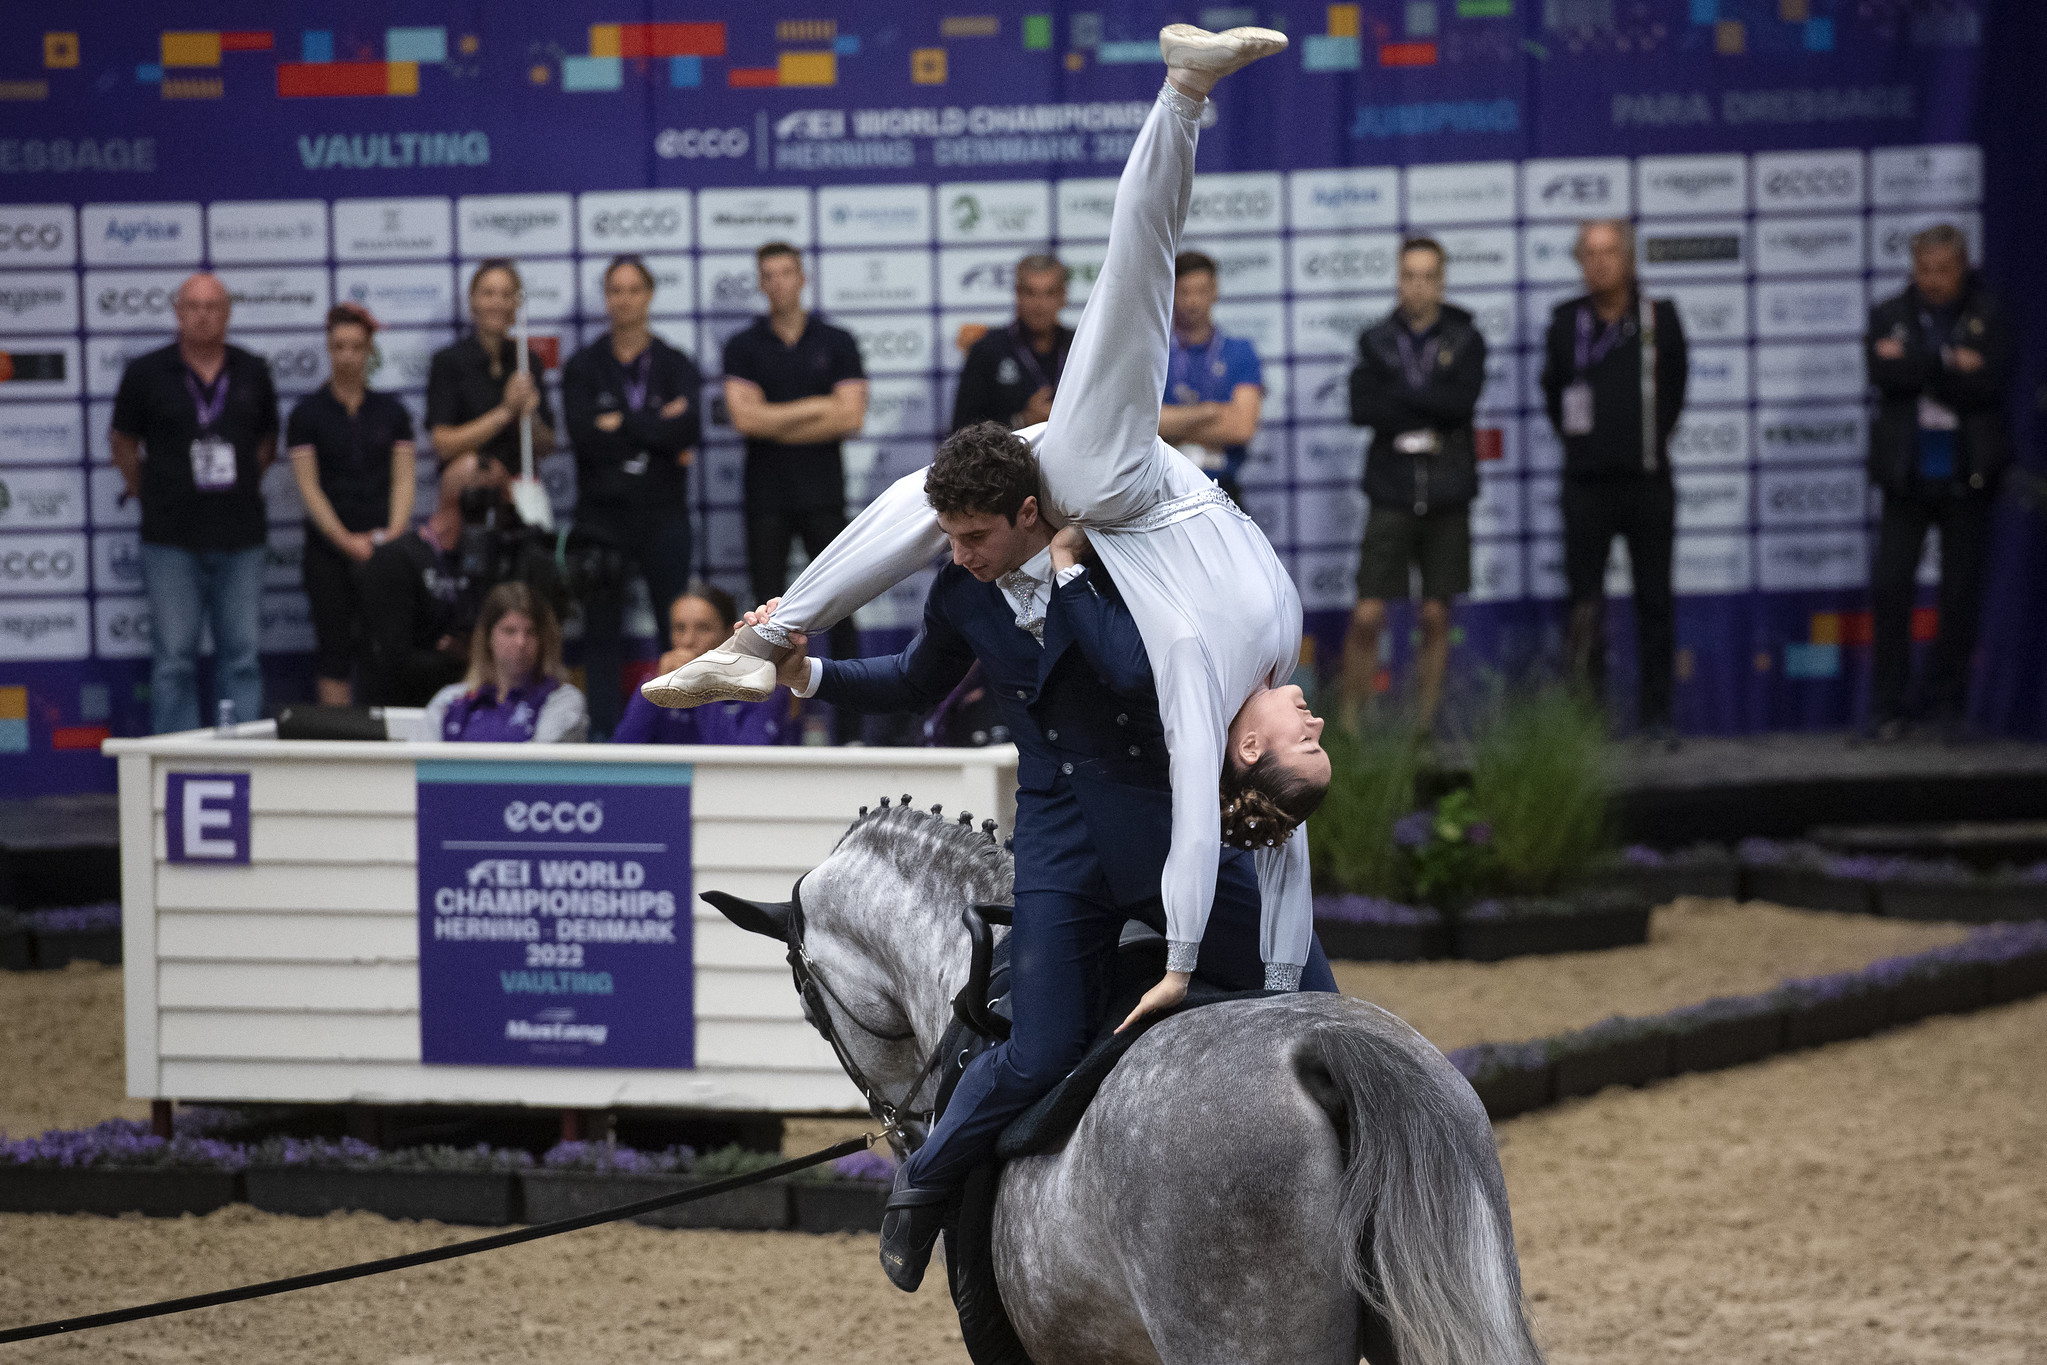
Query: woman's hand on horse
1168 993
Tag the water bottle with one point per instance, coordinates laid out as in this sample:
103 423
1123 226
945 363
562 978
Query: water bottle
224 719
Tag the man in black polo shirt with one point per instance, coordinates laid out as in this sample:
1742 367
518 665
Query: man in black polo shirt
194 427
795 388
631 401
1012 372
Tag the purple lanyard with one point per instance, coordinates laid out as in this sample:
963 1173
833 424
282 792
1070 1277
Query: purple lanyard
1591 352
209 399
637 376
1417 367
1021 344
1177 372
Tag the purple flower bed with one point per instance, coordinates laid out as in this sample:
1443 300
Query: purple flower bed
1350 909
122 1143
867 1165
73 919
1488 1059
610 1157
352 1154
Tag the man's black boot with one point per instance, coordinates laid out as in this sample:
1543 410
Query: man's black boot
909 1229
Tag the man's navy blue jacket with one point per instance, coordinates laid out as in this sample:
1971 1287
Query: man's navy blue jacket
1082 709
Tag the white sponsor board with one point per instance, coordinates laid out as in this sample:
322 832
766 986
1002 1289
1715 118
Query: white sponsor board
1330 453
116 561
1817 245
38 235
1262 322
1250 201
106 359
1321 390
1706 564
1246 267
277 296
112 509
995 211
121 627
1345 200
246 232
1712 499
400 295
1331 326
38 301
515 225
1479 256
141 234
977 276
1497 571
132 300
1925 177
901 406
1085 209
1343 263
405 356
1549 253
1710 437
1720 374
550 287
1802 181
1327 579
1691 186
1704 249
41 498
1473 192
1794 561
1576 189
1710 312
394 229
297 360
1788 309
746 219
36 565
44 628
1332 516
1496 511
41 433
618 222
1809 370
1812 434
891 343
874 215
1834 495
675 286
874 279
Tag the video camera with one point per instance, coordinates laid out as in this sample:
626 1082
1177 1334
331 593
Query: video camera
497 547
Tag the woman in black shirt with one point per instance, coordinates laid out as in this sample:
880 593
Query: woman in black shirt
351 450
475 391
631 402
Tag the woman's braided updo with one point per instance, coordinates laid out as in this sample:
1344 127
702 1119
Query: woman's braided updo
1264 803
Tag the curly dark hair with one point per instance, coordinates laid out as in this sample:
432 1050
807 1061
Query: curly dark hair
1264 803
981 469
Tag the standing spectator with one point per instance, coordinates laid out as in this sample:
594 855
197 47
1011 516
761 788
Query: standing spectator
1939 357
1613 376
631 403
699 621
795 388
194 427
1416 385
1214 386
1011 373
351 451
475 391
514 692
418 597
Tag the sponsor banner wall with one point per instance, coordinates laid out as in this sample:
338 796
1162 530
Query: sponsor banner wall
1774 165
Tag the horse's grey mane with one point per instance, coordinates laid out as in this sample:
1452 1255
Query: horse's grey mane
925 846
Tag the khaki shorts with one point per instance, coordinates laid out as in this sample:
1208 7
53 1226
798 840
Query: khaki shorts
1396 538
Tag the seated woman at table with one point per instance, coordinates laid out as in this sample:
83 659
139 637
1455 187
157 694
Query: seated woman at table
514 691
699 621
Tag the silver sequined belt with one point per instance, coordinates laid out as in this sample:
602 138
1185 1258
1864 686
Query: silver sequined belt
1179 509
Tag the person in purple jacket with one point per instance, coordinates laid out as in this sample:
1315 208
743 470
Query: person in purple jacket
514 692
699 621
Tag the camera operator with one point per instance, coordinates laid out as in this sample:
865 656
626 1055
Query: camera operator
421 591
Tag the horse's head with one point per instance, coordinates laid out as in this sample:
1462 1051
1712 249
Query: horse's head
876 942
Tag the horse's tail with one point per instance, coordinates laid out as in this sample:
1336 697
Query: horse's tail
1428 1241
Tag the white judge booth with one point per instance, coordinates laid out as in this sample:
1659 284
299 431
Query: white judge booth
283 963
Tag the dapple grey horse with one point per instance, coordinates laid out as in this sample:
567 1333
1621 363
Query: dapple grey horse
1298 1178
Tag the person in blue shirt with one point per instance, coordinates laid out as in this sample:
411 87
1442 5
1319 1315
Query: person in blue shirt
699 621
1214 385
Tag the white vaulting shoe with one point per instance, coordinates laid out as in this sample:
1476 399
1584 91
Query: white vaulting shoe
1200 58
720 675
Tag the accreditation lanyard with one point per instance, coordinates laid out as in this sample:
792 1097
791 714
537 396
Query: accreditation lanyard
1188 365
1417 365
209 399
637 376
1591 351
1021 344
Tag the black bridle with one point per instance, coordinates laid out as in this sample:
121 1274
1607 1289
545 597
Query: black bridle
816 992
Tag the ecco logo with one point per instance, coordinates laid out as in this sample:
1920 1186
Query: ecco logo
31 236
554 817
1347 263
1236 204
37 564
294 362
647 222
1810 182
707 143
1818 498
135 301
902 344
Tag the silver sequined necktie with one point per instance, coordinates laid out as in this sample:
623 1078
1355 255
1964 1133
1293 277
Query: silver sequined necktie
1019 586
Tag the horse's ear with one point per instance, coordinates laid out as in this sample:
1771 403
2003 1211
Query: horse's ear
752 916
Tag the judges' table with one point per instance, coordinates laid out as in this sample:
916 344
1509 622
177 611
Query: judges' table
402 923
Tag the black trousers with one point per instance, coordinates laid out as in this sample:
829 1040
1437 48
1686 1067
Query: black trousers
772 527
1964 524
334 601
1642 512
657 550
